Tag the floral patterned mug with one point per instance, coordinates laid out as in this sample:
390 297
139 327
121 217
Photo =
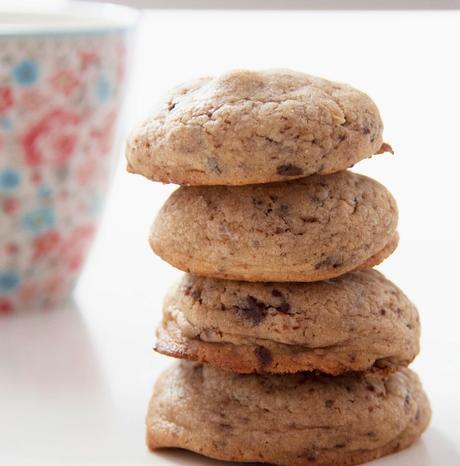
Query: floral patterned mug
62 79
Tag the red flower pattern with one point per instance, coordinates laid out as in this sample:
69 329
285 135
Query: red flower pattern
10 205
65 133
58 131
6 98
65 81
103 136
32 99
86 172
75 247
5 306
53 285
28 292
46 243
88 59
11 248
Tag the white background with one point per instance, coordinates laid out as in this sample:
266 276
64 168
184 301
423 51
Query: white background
74 384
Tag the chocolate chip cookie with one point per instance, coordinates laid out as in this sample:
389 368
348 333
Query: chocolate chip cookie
334 326
291 420
309 229
255 127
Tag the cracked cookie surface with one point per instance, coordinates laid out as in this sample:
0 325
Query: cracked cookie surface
309 229
290 420
357 322
248 127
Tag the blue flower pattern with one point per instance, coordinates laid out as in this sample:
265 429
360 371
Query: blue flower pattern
37 198
9 280
25 72
43 191
9 179
39 220
104 89
5 123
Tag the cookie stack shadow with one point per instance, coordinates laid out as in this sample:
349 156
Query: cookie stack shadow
294 351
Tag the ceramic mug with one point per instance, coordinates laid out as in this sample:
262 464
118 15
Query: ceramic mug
62 80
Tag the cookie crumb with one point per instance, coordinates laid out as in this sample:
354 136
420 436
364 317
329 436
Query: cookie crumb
289 170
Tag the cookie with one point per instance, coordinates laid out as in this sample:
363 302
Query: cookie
290 420
334 326
309 229
249 127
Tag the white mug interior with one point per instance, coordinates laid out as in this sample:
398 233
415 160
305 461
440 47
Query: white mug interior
63 17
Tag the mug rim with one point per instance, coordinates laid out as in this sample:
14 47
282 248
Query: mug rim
66 18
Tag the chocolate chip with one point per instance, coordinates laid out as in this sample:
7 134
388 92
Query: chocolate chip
284 307
329 403
225 427
355 205
309 219
330 261
406 402
289 170
213 165
251 309
383 312
283 210
264 355
310 456
340 445
195 293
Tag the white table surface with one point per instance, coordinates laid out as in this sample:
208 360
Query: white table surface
75 382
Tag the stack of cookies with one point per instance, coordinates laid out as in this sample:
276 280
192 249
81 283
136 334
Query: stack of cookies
294 350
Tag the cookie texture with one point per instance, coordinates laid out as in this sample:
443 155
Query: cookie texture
291 420
249 127
357 322
309 229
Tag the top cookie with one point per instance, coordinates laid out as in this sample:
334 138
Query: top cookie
248 127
